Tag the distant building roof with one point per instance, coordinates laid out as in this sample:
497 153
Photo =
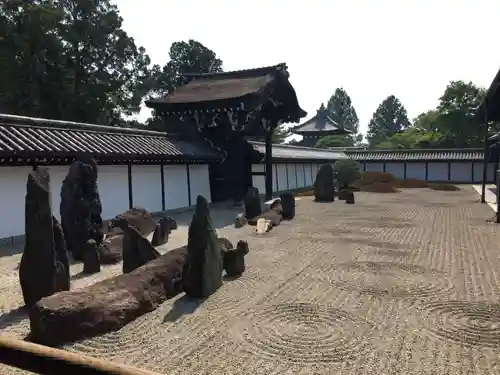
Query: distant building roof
233 90
417 155
489 108
321 123
284 153
35 139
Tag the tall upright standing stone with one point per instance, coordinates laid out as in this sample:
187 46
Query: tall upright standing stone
40 272
324 186
81 207
202 273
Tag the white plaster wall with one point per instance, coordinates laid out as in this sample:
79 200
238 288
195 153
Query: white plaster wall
415 171
397 169
258 168
176 187
292 181
13 192
146 187
316 168
310 176
113 189
374 167
478 172
437 171
275 177
300 175
461 171
260 183
200 182
57 175
282 181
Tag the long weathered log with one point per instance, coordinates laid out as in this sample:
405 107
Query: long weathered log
50 361
107 305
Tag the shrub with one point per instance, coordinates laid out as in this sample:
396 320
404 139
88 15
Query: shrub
379 187
444 187
305 193
347 171
368 178
411 184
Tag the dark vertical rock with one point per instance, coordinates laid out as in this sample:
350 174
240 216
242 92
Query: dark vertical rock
202 273
233 258
137 250
62 263
343 194
164 227
324 186
91 261
38 266
81 207
288 206
349 197
253 208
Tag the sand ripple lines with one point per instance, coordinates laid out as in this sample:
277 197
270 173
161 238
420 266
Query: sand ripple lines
466 323
388 279
306 333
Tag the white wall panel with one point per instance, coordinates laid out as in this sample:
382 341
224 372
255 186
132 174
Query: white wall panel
200 182
437 171
258 168
259 182
478 172
282 177
292 180
415 171
461 171
300 175
275 177
146 187
397 169
310 176
57 175
176 187
113 189
374 167
13 193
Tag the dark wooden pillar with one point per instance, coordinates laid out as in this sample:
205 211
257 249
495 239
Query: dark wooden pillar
485 157
269 165
130 190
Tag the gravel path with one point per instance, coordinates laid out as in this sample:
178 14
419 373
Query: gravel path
401 283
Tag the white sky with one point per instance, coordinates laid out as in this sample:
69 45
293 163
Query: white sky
409 48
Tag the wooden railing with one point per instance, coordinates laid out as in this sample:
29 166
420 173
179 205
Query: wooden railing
44 360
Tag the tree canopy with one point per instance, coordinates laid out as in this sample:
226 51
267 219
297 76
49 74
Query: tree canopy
450 124
69 60
389 119
341 110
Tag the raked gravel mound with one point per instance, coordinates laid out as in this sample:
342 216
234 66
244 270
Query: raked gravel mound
402 283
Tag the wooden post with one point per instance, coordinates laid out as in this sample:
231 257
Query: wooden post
497 180
485 157
269 165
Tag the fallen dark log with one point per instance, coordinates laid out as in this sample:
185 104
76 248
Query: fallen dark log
107 305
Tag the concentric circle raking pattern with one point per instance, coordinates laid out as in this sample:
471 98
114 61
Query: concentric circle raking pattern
388 279
306 333
466 323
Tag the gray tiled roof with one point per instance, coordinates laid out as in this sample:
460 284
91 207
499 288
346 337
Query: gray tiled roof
417 155
38 138
299 153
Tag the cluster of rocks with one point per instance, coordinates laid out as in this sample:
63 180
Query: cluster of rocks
264 219
324 187
44 266
148 279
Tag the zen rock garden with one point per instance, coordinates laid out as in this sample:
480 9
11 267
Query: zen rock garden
58 314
